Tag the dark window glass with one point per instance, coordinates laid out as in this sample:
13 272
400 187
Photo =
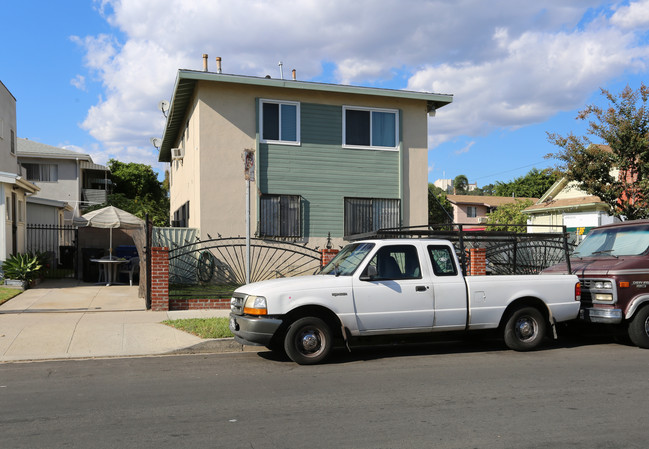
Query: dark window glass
396 262
442 260
270 117
357 127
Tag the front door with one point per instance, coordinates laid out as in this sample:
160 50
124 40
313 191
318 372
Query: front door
396 296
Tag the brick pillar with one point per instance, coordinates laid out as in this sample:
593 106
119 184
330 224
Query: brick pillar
327 255
159 278
478 261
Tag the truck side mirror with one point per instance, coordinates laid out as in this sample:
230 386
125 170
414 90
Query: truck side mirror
369 274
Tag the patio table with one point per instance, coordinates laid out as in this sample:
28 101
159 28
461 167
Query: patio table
109 268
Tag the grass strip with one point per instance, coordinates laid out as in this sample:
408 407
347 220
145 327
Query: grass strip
203 327
7 293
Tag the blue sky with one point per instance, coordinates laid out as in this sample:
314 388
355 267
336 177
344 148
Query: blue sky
88 75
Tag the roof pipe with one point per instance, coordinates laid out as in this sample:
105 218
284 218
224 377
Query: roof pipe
204 62
218 64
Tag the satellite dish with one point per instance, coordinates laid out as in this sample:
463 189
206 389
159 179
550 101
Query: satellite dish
164 107
156 142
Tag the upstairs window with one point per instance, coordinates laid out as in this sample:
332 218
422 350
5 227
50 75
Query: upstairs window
371 214
42 172
370 128
181 216
13 142
280 122
279 216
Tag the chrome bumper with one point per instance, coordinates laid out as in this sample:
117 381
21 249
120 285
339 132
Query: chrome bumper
607 316
250 330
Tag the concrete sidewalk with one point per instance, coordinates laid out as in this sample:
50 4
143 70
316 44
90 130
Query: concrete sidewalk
63 319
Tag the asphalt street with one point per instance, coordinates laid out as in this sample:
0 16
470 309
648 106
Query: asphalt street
446 395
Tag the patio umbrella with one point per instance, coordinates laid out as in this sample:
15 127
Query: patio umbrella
109 217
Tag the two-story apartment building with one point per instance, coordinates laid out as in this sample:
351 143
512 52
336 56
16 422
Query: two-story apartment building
68 181
322 158
14 189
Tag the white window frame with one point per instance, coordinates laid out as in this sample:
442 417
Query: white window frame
370 110
475 211
296 142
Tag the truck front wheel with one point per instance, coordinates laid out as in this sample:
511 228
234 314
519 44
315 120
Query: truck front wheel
308 341
525 329
639 328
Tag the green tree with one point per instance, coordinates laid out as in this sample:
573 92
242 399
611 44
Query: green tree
136 189
511 213
461 184
439 208
487 190
623 125
533 185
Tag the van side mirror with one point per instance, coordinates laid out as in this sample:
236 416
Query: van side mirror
369 274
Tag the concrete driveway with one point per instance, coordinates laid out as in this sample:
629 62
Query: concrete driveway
71 319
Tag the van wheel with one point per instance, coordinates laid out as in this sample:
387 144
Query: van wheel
308 341
639 328
525 329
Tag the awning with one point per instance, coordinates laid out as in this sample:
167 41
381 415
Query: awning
90 166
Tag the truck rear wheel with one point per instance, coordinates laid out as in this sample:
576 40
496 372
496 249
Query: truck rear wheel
525 329
308 341
639 328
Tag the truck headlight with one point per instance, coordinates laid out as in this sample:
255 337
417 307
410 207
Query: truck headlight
255 305
603 297
607 285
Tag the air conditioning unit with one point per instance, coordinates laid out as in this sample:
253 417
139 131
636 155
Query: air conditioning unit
482 220
177 154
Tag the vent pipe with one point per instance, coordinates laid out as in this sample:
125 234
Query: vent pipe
204 62
218 64
294 74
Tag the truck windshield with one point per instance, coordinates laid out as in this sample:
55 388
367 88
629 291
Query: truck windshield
348 260
623 241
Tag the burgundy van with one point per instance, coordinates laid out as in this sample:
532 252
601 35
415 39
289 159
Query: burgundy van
612 264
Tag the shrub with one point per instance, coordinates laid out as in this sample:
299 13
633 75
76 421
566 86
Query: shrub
22 267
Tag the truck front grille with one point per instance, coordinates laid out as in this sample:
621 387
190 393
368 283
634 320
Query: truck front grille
236 303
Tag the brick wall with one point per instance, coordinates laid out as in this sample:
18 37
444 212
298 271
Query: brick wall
159 278
477 261
327 255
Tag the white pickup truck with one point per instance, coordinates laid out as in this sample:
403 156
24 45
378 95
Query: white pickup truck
398 286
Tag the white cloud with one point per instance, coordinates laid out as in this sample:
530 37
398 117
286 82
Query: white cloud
466 148
79 82
538 75
634 15
508 63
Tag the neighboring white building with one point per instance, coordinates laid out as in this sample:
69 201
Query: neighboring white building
64 177
447 185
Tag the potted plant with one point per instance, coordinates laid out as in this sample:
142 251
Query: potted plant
21 269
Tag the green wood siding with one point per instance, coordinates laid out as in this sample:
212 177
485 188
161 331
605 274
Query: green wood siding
323 172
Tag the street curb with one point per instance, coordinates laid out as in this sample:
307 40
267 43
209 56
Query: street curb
216 345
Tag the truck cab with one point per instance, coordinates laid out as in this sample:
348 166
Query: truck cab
612 264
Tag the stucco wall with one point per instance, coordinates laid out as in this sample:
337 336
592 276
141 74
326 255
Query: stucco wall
66 188
222 122
8 161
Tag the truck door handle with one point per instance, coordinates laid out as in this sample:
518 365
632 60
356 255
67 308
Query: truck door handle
421 288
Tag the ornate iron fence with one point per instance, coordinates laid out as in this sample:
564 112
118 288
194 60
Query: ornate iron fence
217 266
